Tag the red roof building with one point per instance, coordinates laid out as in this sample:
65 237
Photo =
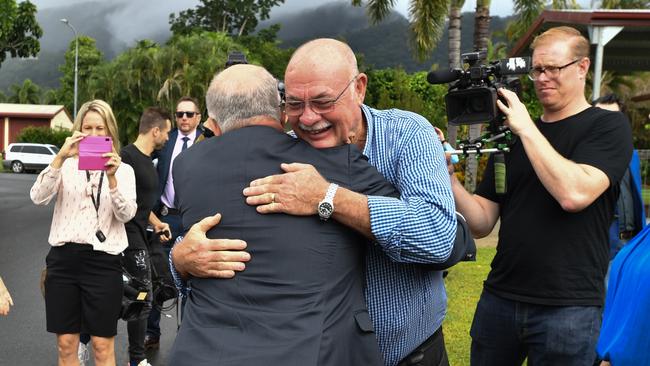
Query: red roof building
15 117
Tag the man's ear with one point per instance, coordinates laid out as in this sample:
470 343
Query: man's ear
360 87
213 126
585 63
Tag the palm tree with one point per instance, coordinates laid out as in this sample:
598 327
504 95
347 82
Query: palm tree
525 11
427 20
27 93
481 41
455 7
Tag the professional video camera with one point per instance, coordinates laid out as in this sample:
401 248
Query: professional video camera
236 58
473 93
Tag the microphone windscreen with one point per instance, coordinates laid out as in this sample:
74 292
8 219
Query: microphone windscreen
442 76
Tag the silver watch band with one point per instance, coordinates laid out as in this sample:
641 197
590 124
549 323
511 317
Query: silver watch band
331 192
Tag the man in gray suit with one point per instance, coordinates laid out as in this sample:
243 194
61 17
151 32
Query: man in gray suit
300 300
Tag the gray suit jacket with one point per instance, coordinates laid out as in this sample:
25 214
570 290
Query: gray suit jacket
300 300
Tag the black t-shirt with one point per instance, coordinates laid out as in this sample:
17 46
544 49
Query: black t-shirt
146 184
546 255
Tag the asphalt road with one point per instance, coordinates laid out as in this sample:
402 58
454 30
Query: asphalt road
24 229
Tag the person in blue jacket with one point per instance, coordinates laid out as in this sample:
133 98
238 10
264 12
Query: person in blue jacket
623 336
630 212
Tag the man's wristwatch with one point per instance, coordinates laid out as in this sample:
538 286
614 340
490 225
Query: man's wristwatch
326 206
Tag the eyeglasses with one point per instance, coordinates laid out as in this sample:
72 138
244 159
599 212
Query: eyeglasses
295 108
180 114
550 71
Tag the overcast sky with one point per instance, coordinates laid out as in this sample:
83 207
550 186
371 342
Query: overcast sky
158 7
138 19
164 7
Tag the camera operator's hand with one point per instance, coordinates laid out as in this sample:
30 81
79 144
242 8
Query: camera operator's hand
448 156
517 117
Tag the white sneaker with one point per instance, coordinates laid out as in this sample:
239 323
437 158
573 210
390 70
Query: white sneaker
82 353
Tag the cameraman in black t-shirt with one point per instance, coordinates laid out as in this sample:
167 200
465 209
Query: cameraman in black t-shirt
544 295
154 128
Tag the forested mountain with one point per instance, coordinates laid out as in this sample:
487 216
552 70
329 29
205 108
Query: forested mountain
383 45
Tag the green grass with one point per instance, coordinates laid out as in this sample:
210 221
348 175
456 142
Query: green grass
464 284
645 192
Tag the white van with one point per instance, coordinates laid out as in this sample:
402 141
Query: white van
21 157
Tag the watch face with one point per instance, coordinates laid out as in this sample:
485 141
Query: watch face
325 209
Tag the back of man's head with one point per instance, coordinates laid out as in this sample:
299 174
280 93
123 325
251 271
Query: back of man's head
579 44
240 94
151 118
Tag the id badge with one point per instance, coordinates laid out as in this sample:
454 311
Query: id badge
100 236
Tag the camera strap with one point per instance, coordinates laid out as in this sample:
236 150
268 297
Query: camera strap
99 234
99 193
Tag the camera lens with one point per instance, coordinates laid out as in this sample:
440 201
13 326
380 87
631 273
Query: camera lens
477 105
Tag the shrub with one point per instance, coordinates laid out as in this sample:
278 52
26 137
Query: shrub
44 135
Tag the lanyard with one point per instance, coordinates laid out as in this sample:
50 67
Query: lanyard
99 192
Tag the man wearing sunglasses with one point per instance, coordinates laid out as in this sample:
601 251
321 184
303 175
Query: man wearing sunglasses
544 294
186 132
324 105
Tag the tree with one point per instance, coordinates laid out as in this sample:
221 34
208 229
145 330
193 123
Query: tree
394 88
224 16
150 74
427 21
27 93
454 52
264 48
89 58
481 41
525 12
19 31
625 4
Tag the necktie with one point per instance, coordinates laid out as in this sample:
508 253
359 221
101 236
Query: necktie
184 143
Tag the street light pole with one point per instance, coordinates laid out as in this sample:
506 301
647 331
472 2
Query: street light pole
76 62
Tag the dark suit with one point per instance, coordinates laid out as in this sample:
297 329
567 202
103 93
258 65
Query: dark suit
164 157
300 300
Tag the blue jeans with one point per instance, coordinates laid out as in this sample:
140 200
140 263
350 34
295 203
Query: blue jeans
505 332
176 226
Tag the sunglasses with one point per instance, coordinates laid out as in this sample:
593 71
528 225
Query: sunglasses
188 114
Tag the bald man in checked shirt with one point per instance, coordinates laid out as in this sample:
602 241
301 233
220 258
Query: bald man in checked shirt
324 105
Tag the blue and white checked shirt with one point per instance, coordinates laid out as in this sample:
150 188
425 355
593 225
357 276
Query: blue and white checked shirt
407 303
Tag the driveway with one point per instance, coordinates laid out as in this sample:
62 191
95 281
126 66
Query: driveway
24 229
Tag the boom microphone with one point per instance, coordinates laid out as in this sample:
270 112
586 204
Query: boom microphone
443 76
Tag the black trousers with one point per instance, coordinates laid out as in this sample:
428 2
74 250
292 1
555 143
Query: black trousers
136 262
431 352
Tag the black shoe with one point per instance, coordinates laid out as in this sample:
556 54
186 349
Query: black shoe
151 342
